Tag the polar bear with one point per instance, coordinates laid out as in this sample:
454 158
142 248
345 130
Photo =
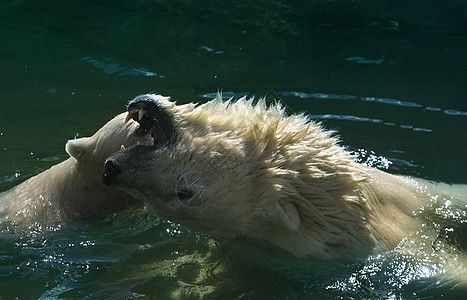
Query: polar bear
73 189
245 169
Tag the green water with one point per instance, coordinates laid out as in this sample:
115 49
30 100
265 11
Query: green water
389 76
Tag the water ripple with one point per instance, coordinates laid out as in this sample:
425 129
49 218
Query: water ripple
225 95
315 95
388 101
391 101
453 112
364 119
210 50
345 117
113 68
364 61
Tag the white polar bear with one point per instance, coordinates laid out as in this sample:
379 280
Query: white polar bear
238 169
73 189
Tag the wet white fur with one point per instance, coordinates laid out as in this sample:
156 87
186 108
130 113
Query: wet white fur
73 189
261 174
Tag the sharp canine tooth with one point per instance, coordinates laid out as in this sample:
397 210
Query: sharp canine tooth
128 117
141 114
122 147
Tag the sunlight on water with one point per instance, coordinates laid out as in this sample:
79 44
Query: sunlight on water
417 265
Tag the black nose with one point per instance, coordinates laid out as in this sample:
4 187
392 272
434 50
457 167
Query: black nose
111 170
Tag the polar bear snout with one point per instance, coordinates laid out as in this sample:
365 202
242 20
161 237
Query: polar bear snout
123 167
111 171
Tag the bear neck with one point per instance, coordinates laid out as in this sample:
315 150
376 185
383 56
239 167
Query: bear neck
347 217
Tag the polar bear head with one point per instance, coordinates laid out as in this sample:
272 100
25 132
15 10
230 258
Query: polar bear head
232 168
73 189
91 152
88 155
94 150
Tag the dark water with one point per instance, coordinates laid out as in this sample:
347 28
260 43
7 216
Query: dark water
389 76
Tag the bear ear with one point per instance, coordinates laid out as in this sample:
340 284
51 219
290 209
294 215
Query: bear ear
282 213
287 213
77 148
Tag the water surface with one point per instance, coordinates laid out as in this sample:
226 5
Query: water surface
390 77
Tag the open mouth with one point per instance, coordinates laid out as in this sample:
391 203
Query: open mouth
153 118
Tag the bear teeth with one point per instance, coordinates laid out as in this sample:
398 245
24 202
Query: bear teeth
141 114
129 117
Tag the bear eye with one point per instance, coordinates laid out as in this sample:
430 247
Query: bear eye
184 195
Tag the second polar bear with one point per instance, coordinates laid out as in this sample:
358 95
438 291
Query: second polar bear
73 189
